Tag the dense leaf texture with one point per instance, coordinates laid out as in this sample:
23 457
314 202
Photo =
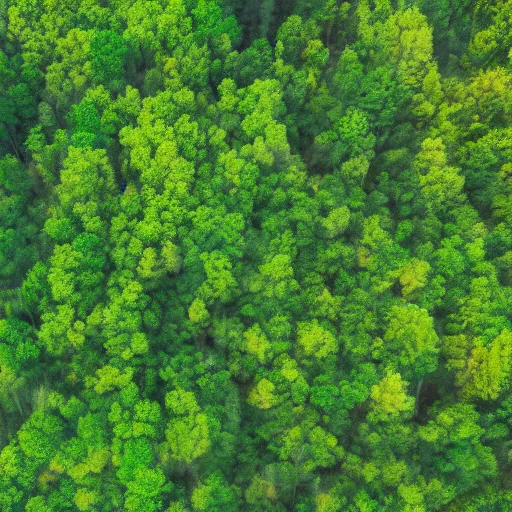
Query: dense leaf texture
255 255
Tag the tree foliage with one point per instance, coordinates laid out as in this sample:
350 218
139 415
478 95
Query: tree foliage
255 255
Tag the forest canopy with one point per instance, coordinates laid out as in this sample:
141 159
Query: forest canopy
255 255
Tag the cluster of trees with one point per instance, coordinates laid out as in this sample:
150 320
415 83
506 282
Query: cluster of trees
255 255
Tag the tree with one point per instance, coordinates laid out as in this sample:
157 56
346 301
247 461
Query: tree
187 432
389 399
410 342
214 492
108 51
488 369
441 184
314 340
413 276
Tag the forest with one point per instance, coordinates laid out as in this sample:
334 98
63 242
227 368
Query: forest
256 255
